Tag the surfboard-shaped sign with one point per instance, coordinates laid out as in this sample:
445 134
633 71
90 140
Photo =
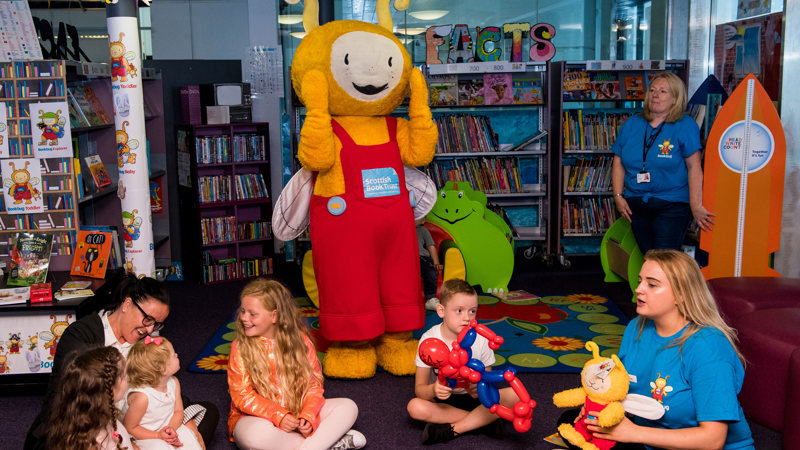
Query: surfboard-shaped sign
743 184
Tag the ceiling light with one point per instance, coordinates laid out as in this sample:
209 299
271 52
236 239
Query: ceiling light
290 19
411 31
298 34
432 14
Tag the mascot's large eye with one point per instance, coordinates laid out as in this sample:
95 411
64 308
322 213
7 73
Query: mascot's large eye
390 62
346 60
444 195
460 194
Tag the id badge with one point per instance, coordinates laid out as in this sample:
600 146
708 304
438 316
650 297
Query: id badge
643 177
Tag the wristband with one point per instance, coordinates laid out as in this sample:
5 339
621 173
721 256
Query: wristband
617 195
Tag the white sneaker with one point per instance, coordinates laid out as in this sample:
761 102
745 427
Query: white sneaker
431 304
351 439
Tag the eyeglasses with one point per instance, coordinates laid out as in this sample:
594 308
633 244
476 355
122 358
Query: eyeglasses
148 320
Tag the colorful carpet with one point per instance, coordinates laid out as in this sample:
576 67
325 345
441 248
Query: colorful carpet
542 334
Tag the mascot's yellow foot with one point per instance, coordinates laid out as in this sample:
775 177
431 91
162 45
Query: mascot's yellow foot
356 362
396 353
569 433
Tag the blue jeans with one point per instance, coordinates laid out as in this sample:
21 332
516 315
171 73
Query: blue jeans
658 223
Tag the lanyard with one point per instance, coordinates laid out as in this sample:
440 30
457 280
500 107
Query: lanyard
648 142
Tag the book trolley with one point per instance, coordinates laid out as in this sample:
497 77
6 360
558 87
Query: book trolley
23 83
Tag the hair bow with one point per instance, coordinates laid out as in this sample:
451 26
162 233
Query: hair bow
152 340
115 435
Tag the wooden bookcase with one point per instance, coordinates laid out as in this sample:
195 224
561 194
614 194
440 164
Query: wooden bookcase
102 207
32 82
485 144
225 205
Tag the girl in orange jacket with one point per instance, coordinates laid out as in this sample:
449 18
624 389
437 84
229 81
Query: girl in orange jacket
275 379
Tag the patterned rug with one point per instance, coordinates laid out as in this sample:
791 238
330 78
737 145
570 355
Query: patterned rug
542 334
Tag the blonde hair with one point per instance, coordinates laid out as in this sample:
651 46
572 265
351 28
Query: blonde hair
452 287
291 354
147 362
694 300
678 90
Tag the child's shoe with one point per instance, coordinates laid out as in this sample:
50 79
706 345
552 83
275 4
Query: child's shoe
435 433
431 304
351 439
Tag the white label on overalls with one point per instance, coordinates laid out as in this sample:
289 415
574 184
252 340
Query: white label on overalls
382 182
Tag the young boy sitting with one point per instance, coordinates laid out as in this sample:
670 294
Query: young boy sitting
452 412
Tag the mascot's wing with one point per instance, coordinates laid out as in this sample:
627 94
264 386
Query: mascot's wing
424 190
642 406
290 217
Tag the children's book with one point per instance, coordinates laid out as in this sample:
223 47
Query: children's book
115 259
577 85
76 117
497 89
634 87
30 258
605 85
156 196
443 90
527 88
14 296
517 296
470 90
92 251
90 105
98 170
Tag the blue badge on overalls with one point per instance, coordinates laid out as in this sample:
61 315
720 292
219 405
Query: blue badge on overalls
382 182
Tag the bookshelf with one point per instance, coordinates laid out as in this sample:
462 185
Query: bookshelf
595 100
496 138
21 84
226 207
90 85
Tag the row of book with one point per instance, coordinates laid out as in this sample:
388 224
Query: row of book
223 149
465 133
587 174
592 130
21 69
587 216
580 84
221 229
37 221
61 183
258 229
486 89
63 242
223 188
495 175
233 269
31 89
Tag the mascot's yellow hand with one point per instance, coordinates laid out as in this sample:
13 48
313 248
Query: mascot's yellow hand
418 103
418 141
317 148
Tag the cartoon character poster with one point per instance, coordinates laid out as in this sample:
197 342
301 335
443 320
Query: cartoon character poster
50 129
3 130
28 343
22 185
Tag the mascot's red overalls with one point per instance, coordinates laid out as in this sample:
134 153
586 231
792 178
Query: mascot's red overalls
366 255
580 427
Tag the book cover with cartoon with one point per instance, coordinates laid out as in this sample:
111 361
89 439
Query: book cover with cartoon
527 88
92 250
22 185
51 130
443 90
30 258
605 85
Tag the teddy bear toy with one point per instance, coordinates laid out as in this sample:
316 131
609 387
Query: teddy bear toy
604 385
350 76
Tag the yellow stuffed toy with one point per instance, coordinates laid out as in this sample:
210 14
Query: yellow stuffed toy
605 385
350 76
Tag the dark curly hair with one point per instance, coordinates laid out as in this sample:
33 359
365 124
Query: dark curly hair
84 404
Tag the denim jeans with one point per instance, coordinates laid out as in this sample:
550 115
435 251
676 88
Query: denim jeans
430 276
658 223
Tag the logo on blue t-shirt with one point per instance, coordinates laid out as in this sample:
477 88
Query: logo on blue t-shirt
665 149
382 182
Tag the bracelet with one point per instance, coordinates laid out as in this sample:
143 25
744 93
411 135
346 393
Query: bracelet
617 195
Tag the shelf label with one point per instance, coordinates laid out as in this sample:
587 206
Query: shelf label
626 65
477 67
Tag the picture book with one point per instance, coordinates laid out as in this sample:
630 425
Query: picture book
634 87
577 85
30 258
92 251
497 89
605 85
50 131
156 198
527 89
91 106
14 296
470 90
175 271
98 170
443 90
115 259
76 117
22 185
517 296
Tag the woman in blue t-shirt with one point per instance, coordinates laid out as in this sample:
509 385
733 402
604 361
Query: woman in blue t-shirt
657 175
680 352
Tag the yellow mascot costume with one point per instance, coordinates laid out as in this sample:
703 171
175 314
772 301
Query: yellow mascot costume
350 76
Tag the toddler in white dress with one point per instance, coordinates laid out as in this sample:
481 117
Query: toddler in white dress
153 407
